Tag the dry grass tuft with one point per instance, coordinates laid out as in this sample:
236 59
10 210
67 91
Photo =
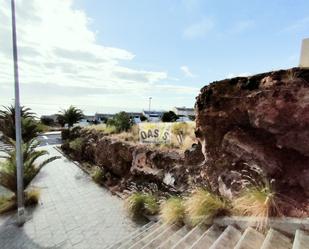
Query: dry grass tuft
204 205
108 129
32 197
173 210
140 203
258 201
7 204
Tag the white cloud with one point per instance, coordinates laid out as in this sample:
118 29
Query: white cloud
233 75
187 72
57 48
199 29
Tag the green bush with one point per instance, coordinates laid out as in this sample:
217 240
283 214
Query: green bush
77 144
98 175
169 116
140 203
70 134
121 121
47 121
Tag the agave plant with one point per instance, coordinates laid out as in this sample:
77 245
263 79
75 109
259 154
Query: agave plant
29 125
31 166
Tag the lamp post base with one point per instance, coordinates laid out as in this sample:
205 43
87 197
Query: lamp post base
21 216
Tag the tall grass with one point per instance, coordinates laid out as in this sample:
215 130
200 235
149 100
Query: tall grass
140 203
258 201
108 129
259 198
173 210
204 205
182 138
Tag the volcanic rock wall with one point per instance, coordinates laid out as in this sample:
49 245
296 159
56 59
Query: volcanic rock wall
258 121
125 163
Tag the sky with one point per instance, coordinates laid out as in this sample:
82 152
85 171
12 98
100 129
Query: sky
106 56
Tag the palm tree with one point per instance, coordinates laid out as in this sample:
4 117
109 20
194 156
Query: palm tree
31 167
71 115
29 125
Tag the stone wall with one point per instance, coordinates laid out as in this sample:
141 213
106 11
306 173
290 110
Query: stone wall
128 163
259 121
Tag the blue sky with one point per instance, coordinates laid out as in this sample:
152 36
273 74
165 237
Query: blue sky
226 36
166 49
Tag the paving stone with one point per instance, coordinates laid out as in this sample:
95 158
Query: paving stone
74 212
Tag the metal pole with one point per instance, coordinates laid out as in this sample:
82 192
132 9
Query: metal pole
149 104
19 156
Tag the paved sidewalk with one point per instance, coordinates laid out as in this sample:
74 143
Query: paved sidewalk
73 212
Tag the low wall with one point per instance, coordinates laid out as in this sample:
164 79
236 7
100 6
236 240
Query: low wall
129 164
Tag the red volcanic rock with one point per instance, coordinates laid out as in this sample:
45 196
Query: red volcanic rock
114 155
263 121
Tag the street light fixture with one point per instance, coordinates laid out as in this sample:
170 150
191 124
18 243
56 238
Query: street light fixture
19 157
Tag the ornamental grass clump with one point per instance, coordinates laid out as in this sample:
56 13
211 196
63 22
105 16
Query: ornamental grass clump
204 205
32 197
8 203
259 198
138 204
173 210
258 201
98 175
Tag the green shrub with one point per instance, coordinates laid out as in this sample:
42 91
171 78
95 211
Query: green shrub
203 205
70 134
121 121
98 175
173 210
77 144
169 116
139 203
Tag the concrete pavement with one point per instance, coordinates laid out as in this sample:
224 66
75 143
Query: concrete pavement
73 212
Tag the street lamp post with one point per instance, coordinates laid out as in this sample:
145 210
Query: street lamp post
150 98
19 157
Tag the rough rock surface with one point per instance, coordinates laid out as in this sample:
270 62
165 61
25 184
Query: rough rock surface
262 121
125 163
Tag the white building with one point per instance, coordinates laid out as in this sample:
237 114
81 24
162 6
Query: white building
304 56
184 112
153 116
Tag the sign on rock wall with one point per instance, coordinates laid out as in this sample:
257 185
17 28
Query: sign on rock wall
155 133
